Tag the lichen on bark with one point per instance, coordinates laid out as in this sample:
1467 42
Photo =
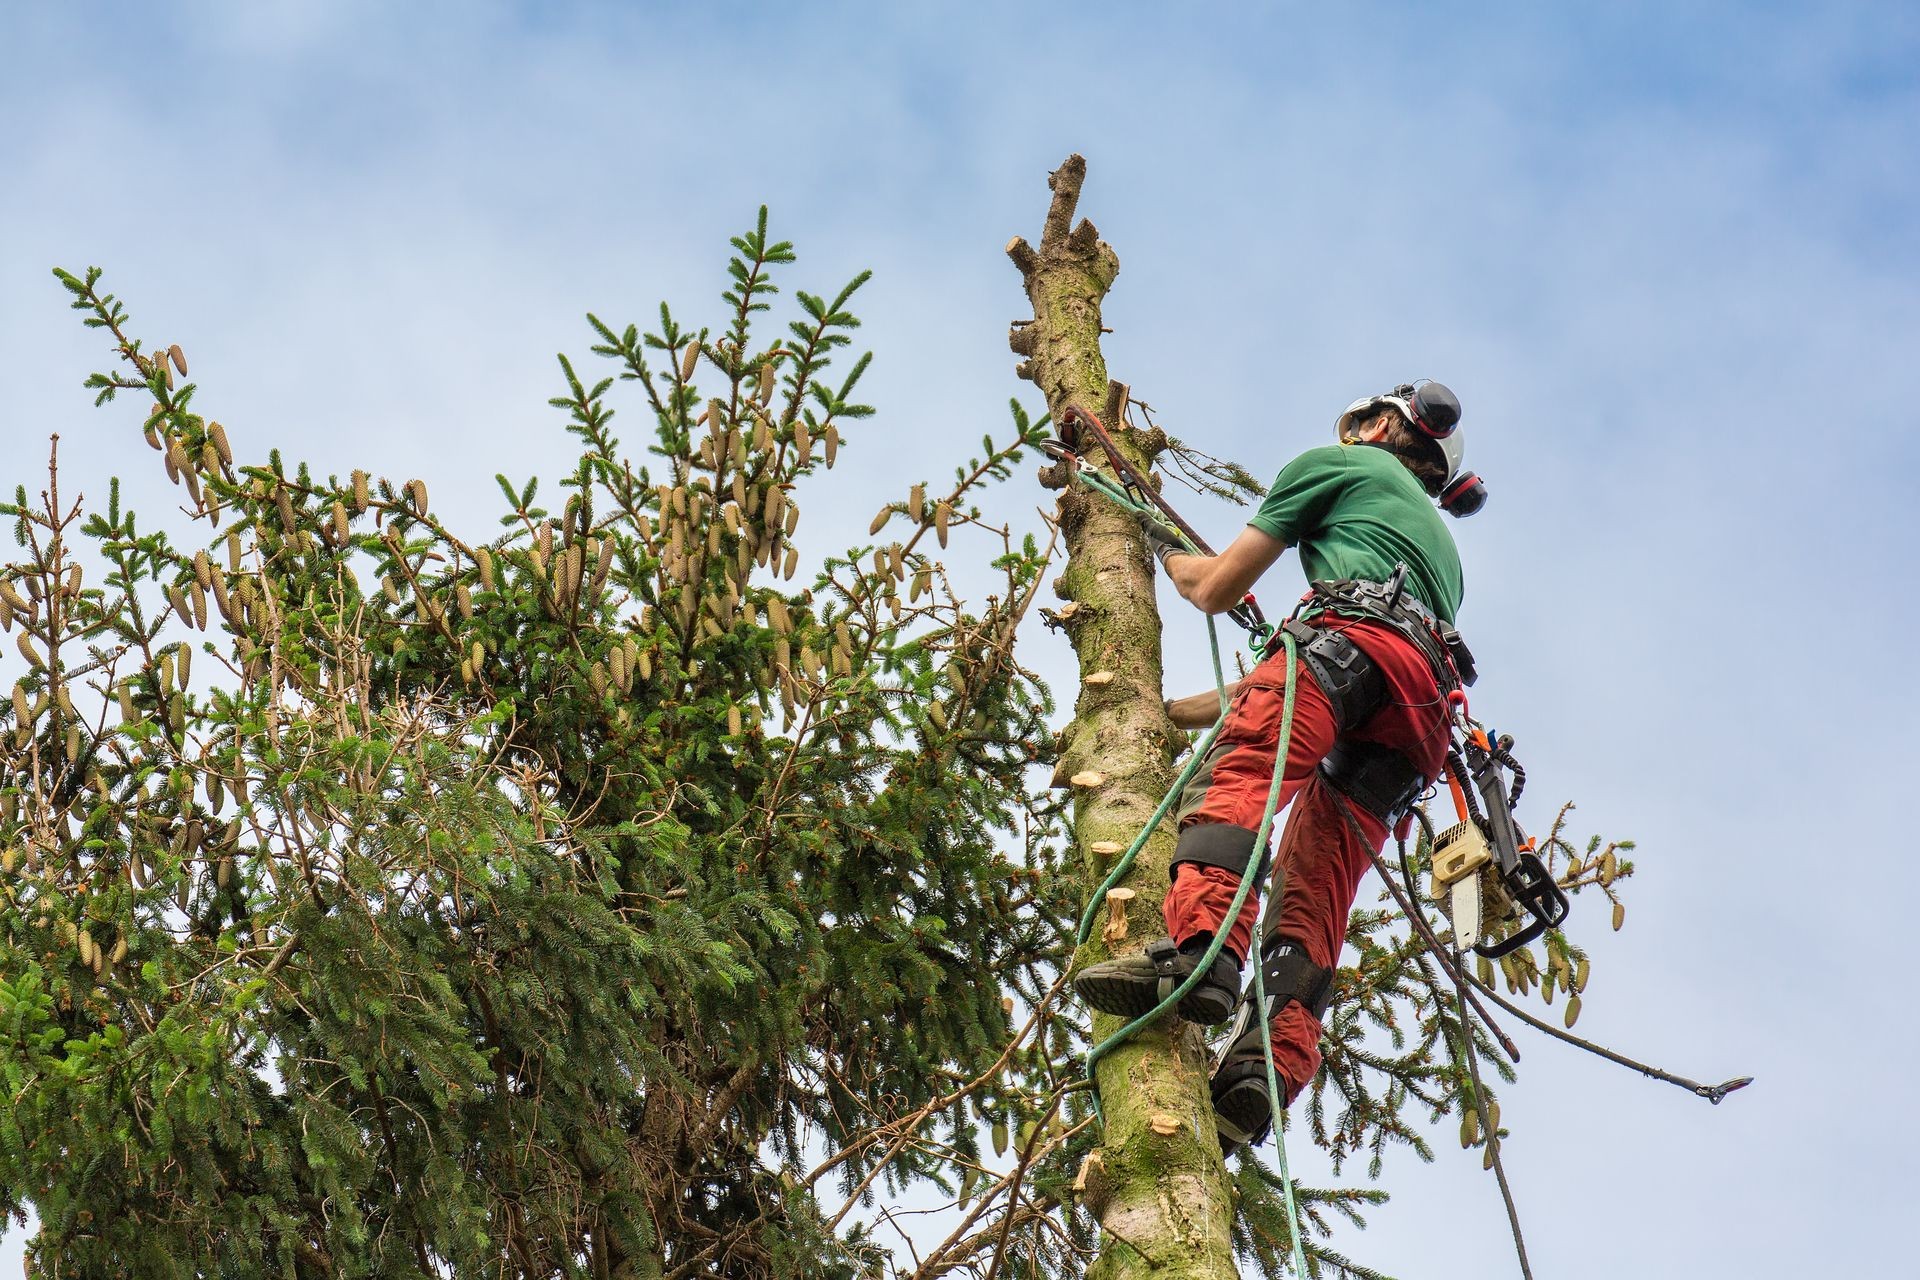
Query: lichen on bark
1163 1198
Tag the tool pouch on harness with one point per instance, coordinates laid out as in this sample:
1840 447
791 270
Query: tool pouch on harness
1349 678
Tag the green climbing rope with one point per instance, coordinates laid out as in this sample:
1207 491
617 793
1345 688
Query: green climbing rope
1119 496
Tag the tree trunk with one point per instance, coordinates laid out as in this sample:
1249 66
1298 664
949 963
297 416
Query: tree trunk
1160 1190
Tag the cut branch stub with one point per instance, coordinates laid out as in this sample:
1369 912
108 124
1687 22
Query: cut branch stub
1065 182
1117 900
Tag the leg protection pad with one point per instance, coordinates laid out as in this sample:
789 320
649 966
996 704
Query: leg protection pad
1242 1105
1218 844
1378 779
1349 678
1291 978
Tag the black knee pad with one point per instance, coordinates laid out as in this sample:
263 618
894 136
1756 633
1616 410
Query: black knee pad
1217 844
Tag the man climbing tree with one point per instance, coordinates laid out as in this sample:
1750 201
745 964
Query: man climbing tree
1369 730
1354 709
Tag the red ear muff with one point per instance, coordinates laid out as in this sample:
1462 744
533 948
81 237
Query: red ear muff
1466 494
1436 410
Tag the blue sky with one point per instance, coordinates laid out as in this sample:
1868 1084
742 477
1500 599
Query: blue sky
1669 256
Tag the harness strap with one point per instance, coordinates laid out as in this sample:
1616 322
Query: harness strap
1438 642
1165 955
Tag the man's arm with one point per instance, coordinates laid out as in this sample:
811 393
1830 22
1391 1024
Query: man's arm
1199 710
1214 584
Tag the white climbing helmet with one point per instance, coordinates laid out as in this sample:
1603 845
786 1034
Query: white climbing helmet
1433 411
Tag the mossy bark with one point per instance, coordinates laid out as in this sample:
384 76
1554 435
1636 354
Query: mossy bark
1159 1190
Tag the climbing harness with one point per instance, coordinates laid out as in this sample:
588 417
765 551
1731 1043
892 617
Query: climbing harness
1389 603
1485 869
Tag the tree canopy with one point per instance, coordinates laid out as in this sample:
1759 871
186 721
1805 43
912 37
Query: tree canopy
627 890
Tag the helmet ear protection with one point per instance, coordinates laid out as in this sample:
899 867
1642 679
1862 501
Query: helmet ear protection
1432 410
1463 495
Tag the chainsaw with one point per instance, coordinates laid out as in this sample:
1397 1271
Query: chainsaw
1486 872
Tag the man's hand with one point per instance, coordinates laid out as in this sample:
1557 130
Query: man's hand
1163 536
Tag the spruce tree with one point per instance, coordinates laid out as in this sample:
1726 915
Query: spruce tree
625 890
390 899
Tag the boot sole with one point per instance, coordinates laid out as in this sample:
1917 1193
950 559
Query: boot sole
1209 1006
1243 1110
1130 998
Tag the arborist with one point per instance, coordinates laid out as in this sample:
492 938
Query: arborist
1377 662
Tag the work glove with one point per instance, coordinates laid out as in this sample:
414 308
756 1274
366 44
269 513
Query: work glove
1162 535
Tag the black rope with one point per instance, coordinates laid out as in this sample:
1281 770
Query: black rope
1503 754
1486 1124
1457 766
1714 1093
1419 922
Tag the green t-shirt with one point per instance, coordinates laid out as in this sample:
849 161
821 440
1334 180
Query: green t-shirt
1356 512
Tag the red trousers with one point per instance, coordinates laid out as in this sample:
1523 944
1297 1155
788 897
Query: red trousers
1320 857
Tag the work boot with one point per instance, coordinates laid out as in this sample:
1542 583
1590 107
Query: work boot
1242 1106
1242 1103
1133 985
